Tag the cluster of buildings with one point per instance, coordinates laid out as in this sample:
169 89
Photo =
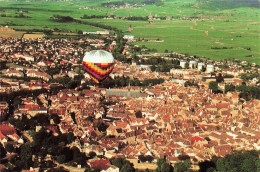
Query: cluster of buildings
167 120
175 121
8 85
40 53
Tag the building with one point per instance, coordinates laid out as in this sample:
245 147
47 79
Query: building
13 72
210 68
200 66
87 33
182 64
96 33
72 74
129 37
105 32
123 93
193 64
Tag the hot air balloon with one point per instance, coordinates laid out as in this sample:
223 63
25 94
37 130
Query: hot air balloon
98 64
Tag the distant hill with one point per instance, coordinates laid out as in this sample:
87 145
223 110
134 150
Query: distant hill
226 4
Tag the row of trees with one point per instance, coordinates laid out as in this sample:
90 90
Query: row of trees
24 123
249 76
144 18
85 16
132 2
67 82
246 161
159 64
246 92
124 81
191 83
60 18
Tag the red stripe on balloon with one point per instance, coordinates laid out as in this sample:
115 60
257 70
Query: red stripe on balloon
104 65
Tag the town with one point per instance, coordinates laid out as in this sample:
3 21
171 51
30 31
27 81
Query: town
154 107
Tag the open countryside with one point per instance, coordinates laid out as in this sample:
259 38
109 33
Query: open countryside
192 27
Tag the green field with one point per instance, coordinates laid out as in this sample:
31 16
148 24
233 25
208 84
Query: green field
200 29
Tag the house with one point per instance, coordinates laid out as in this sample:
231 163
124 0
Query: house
222 150
123 93
13 72
129 37
8 131
111 130
103 165
28 58
37 74
106 32
72 74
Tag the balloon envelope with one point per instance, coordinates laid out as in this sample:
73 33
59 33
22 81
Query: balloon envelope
98 64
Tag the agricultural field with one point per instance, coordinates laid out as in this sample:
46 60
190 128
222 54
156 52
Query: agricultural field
222 30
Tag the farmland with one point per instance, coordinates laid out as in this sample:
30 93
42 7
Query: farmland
216 31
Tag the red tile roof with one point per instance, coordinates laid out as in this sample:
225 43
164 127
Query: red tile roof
7 129
196 138
102 164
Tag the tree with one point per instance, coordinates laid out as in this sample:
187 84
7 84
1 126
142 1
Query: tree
41 119
163 166
187 65
229 87
213 86
205 165
26 155
207 138
153 68
17 101
239 161
142 158
70 137
61 159
149 158
127 167
166 167
248 165
203 69
73 117
73 84
102 126
257 163
138 114
9 147
92 154
2 151
80 32
55 118
182 166
2 65
183 157
219 78
118 162
123 165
